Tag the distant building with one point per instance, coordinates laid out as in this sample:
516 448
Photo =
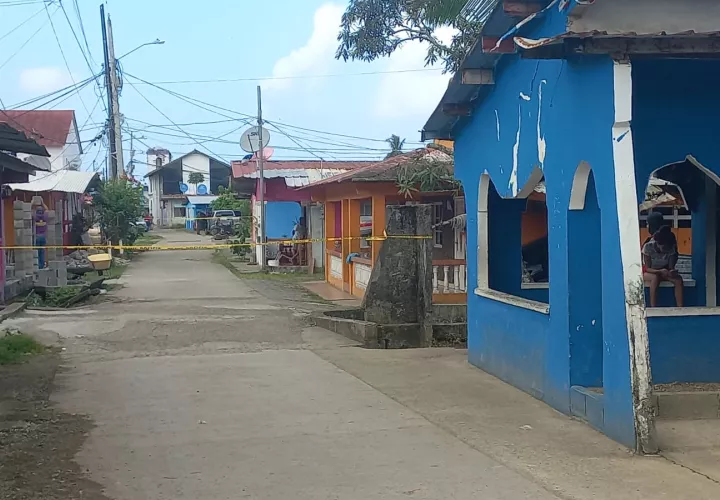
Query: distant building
169 186
57 130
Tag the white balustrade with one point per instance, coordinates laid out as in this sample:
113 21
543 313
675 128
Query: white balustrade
449 278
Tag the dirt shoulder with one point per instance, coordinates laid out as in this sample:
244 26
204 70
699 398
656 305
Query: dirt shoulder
37 442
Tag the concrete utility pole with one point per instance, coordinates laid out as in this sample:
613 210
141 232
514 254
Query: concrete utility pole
119 165
261 166
111 164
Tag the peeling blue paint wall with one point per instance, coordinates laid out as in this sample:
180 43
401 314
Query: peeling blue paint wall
684 349
676 108
567 108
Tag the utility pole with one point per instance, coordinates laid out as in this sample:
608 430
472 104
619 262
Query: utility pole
119 166
111 164
261 166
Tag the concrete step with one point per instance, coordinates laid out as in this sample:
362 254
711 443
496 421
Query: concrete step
687 405
450 335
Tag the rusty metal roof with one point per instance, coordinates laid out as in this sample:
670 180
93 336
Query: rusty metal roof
529 43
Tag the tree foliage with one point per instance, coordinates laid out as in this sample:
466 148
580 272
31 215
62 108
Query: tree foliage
226 201
371 29
396 146
426 176
196 178
119 204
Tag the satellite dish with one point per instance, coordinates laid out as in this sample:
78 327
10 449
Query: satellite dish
183 187
250 140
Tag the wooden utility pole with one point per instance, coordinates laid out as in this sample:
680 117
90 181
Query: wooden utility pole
112 157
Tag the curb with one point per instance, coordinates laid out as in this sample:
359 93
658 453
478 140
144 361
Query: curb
12 310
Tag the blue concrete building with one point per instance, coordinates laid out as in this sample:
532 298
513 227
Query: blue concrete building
593 101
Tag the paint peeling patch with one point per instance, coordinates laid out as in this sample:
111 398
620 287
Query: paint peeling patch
542 145
622 136
513 183
497 124
524 96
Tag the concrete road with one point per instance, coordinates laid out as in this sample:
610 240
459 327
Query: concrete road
205 386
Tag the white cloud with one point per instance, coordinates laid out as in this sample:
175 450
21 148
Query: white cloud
43 80
412 94
317 54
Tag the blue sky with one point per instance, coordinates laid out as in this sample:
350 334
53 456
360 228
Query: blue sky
292 41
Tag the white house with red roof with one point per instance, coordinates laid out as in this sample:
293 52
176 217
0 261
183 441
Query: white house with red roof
57 130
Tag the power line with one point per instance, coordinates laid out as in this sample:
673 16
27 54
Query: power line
33 16
191 99
26 42
296 77
82 29
62 52
168 119
50 94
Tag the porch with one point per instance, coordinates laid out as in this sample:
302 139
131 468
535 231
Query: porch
355 229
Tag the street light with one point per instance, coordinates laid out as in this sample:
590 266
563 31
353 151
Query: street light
156 42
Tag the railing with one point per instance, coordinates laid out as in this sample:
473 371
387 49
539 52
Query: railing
449 276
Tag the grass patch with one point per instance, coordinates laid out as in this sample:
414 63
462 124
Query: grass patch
115 271
224 260
17 348
147 239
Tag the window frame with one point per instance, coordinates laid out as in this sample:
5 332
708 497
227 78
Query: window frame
183 216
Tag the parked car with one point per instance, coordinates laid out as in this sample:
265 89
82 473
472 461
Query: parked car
141 225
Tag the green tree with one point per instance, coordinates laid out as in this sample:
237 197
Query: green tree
196 178
396 146
371 29
119 204
226 200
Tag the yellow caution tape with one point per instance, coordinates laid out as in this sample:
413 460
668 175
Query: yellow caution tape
212 246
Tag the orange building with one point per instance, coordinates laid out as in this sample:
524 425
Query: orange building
354 204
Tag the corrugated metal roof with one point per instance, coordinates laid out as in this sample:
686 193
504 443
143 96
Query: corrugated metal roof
247 168
64 181
529 43
49 127
201 200
387 170
297 177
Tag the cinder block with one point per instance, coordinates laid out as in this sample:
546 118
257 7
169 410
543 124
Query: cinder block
57 264
18 205
688 405
9 272
62 277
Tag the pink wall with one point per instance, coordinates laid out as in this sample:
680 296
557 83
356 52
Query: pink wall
276 190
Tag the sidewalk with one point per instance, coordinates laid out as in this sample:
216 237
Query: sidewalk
563 455
332 294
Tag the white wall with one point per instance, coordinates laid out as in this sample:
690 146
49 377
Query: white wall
155 191
196 163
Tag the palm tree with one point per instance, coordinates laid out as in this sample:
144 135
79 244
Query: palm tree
441 11
396 146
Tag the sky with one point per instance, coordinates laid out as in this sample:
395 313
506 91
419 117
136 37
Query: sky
286 46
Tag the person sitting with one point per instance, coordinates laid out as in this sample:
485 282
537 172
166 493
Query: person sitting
660 255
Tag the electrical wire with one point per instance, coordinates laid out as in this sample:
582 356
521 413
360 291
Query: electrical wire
194 101
62 52
26 42
82 29
50 94
296 77
168 119
33 16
